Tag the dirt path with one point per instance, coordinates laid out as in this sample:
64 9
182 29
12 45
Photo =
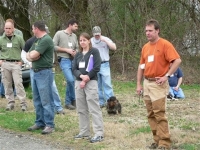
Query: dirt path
14 141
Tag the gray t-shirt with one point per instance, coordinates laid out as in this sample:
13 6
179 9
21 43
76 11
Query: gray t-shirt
102 47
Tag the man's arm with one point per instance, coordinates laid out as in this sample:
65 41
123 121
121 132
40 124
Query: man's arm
110 44
179 82
174 66
139 79
32 55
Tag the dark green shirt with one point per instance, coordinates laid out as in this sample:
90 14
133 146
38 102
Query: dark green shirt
11 48
45 47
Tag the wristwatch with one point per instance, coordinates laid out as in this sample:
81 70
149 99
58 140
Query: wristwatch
167 75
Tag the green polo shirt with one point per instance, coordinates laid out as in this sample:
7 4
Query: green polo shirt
11 48
45 47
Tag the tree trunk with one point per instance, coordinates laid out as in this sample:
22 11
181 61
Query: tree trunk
18 11
66 9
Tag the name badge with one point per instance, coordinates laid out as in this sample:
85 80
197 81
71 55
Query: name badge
9 44
151 58
69 44
82 64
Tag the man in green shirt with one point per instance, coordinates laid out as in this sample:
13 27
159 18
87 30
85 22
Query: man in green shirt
10 61
41 56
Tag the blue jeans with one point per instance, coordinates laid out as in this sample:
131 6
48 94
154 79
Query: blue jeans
66 67
43 97
177 94
104 83
56 97
2 91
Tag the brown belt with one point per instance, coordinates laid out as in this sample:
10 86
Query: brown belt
150 79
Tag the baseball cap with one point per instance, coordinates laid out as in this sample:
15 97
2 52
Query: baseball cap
47 29
96 30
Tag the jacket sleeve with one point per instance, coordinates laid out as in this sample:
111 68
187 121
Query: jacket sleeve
75 68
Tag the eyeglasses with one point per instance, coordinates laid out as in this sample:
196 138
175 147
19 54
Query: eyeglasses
7 28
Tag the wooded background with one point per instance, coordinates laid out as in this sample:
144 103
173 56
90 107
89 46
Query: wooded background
121 20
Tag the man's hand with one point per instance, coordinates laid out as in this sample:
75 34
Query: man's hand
161 80
176 88
139 89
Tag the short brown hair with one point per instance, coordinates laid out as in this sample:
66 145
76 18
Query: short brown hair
153 22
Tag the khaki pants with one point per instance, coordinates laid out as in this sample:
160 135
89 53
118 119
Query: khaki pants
155 100
87 102
11 72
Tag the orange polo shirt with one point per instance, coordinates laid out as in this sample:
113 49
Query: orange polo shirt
156 58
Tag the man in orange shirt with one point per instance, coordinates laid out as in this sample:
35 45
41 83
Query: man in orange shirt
154 66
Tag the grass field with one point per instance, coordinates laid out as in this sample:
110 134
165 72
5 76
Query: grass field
128 131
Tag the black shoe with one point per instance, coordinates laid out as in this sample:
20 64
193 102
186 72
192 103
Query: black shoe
48 130
35 127
2 96
153 146
96 139
61 112
70 107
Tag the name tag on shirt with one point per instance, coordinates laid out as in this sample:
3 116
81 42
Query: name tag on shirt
9 44
151 58
81 64
69 44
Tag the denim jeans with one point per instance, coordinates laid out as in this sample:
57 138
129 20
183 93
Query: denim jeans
56 97
104 83
66 67
177 94
43 97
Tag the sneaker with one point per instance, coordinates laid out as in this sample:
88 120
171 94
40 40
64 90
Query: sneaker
48 130
77 137
96 139
61 112
10 107
35 127
70 107
153 146
23 108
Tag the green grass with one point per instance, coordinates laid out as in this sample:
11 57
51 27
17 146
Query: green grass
18 121
145 129
187 146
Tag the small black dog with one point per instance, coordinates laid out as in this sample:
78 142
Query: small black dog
113 106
